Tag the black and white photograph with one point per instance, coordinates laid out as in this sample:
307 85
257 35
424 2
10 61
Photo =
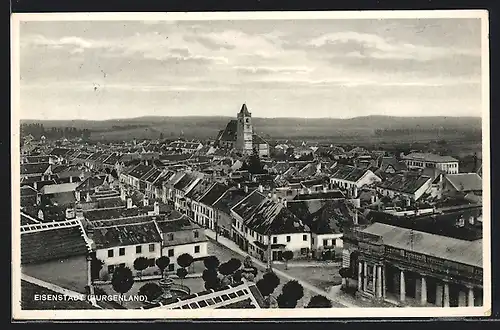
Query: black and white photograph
264 165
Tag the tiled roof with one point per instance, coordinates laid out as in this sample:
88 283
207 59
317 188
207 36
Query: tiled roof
37 159
91 183
405 183
215 192
185 182
60 151
392 162
229 133
199 190
152 175
104 214
34 168
465 252
265 216
52 242
122 235
184 145
229 199
139 171
95 156
179 224
112 159
323 216
428 157
465 181
348 173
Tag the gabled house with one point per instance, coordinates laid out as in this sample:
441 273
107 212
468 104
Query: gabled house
409 187
266 228
35 169
462 184
349 177
204 212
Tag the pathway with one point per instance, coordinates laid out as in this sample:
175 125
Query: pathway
233 246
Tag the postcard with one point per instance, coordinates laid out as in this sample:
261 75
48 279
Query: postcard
250 165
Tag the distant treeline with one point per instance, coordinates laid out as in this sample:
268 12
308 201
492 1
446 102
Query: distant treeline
121 127
53 133
466 132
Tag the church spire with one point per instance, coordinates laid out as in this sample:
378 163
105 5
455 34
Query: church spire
244 110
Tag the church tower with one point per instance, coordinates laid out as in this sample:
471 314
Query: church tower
244 137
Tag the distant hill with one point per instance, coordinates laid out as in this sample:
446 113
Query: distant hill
279 128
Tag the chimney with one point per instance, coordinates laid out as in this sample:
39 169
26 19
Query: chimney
355 191
156 208
87 199
284 201
129 202
35 185
71 179
239 185
246 189
123 197
275 197
78 195
79 212
372 199
355 218
145 200
325 189
408 201
261 188
70 214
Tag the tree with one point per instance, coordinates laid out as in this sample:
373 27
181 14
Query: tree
210 276
291 293
345 273
151 290
122 280
211 262
95 268
182 273
140 264
319 301
287 256
185 260
162 263
253 164
268 283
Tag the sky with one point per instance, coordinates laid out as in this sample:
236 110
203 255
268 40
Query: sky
280 68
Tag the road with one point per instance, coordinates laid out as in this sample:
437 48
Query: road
234 247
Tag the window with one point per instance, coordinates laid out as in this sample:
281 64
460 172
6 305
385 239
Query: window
325 242
171 252
196 234
170 236
111 268
138 249
288 238
334 242
121 251
151 248
197 249
111 253
275 240
304 237
171 267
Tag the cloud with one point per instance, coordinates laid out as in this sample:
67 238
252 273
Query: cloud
364 45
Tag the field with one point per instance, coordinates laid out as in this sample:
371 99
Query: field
331 130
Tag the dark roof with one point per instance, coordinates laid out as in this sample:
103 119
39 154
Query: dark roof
392 162
404 183
104 214
336 194
180 224
95 156
37 159
34 168
265 216
129 234
348 173
54 242
91 183
28 191
199 190
112 159
139 171
60 151
229 133
323 216
152 175
215 192
185 181
230 198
